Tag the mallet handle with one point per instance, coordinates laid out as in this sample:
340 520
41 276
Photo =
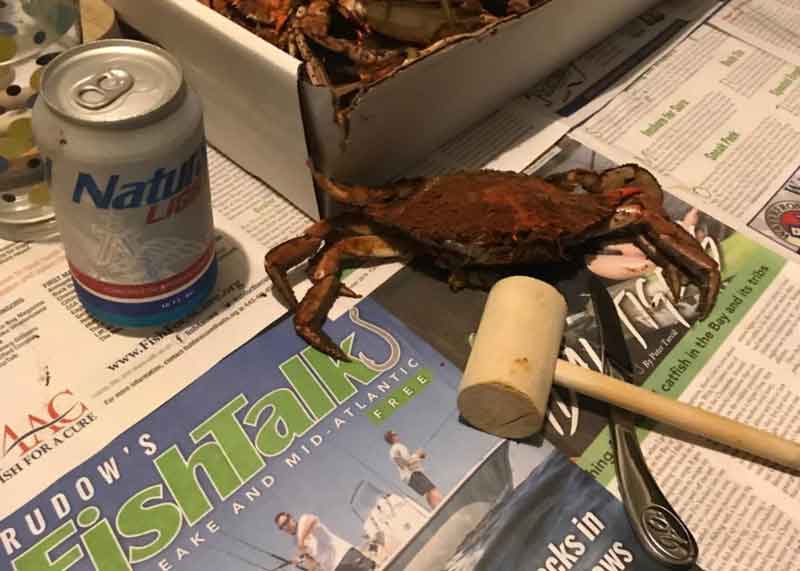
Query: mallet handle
686 417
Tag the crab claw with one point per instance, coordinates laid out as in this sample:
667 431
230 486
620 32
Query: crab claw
685 251
663 240
311 312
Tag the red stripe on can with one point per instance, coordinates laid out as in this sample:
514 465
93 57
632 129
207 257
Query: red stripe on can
140 291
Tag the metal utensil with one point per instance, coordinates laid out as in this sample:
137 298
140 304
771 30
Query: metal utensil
656 524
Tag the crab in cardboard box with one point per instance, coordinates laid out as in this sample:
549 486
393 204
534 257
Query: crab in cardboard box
484 219
353 43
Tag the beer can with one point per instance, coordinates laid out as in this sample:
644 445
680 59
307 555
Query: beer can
125 157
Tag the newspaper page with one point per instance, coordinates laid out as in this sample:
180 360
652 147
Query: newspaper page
740 362
281 458
585 85
720 116
771 25
54 355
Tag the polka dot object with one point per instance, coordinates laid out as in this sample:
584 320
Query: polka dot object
17 140
40 194
21 130
6 76
46 58
15 97
8 48
36 79
26 46
11 148
26 162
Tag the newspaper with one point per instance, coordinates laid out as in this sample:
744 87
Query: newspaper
54 355
720 117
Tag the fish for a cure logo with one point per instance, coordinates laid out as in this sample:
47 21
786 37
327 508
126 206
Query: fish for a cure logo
29 435
783 218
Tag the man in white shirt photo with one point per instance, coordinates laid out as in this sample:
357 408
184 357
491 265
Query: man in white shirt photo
410 468
315 540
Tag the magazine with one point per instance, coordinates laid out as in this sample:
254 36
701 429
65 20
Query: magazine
367 461
275 427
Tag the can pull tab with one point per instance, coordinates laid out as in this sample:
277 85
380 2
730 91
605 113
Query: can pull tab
102 89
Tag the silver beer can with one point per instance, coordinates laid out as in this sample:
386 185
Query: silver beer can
125 157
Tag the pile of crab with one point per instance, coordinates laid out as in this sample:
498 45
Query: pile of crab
349 44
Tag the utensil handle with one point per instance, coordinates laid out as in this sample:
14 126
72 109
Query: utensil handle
657 525
680 415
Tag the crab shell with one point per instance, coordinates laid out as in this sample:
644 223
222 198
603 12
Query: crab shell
494 218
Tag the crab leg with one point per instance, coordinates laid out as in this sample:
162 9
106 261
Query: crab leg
654 196
285 256
676 245
360 195
314 68
672 273
311 312
352 224
314 21
313 308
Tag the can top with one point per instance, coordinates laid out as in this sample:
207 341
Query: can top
111 82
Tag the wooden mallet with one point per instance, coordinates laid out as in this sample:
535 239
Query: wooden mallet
514 361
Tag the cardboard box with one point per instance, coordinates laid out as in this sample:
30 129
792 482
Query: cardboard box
260 114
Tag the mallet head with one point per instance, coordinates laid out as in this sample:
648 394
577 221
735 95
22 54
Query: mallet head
506 384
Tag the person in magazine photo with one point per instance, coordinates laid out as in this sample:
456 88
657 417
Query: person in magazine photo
410 468
328 551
